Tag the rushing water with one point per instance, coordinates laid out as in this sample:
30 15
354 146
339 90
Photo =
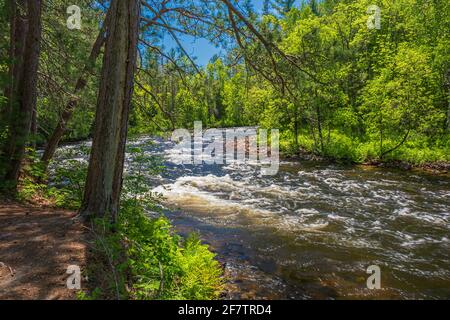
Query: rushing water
312 231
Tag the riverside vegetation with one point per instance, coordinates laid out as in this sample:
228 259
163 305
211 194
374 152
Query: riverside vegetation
140 256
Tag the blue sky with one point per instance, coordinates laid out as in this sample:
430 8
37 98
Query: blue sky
201 48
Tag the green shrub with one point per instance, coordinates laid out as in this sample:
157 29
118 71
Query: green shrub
341 147
69 179
162 264
367 151
33 176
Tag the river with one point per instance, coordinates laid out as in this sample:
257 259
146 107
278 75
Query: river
312 230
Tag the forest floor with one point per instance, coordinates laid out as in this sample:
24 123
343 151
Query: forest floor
36 247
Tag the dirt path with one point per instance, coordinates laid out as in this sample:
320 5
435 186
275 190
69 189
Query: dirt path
36 247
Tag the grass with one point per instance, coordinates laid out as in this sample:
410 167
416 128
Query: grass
341 147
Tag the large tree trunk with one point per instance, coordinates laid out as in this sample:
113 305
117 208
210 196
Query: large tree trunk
33 128
22 91
448 117
104 180
58 133
447 87
18 30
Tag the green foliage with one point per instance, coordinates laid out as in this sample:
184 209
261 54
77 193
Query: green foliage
65 189
63 57
69 179
96 294
33 179
162 265
341 147
355 94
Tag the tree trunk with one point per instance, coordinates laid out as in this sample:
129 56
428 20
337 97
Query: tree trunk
18 29
104 179
448 100
397 146
22 92
448 117
319 128
446 94
296 127
66 115
33 128
381 134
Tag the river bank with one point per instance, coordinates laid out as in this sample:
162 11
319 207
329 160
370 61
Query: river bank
437 168
311 231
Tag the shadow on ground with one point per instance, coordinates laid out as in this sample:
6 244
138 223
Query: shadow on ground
36 247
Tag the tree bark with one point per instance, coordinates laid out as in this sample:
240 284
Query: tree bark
22 92
296 126
60 129
397 146
319 128
104 179
33 128
18 29
448 117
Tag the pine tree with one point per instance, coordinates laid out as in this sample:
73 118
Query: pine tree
25 38
314 6
266 7
104 179
284 6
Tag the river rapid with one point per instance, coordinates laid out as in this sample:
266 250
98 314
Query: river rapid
312 230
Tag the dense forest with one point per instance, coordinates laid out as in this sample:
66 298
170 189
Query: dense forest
336 88
355 81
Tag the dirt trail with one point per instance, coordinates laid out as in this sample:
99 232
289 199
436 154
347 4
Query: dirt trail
36 247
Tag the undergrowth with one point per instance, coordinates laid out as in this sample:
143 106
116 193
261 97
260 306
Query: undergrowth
145 259
342 148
